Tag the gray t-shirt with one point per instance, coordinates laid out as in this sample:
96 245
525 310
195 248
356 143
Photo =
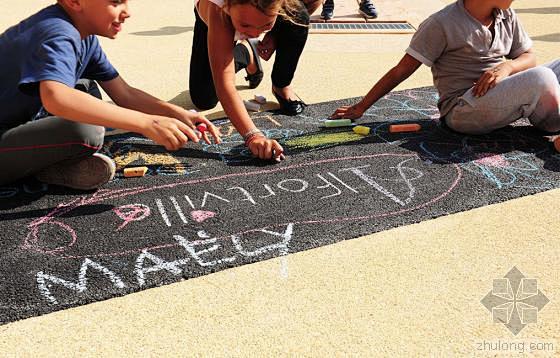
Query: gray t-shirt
459 49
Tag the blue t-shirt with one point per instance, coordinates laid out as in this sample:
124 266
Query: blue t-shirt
45 46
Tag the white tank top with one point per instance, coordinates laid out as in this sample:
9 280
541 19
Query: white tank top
220 3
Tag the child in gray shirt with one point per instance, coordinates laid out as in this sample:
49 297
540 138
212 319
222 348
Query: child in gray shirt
466 44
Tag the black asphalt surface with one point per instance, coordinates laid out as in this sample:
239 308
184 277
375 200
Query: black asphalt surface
208 208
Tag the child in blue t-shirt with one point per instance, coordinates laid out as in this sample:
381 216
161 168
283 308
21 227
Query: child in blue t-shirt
52 117
484 69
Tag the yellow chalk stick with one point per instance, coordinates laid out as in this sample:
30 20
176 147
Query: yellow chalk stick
363 130
135 172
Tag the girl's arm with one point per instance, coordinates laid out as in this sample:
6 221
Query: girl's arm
406 67
220 52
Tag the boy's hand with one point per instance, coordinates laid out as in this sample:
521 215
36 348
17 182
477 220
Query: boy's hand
491 78
266 47
350 112
193 119
169 132
263 148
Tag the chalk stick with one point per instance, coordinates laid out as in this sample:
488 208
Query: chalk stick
260 99
252 106
398 128
333 123
278 157
361 130
202 127
557 144
135 172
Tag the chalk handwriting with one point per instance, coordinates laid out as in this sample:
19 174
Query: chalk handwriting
147 263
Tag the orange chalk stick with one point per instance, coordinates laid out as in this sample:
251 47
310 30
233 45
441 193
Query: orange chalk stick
135 172
398 128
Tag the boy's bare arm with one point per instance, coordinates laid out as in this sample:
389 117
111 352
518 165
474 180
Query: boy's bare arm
72 104
492 77
406 67
132 98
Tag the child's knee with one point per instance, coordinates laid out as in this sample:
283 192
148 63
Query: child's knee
202 102
546 80
90 135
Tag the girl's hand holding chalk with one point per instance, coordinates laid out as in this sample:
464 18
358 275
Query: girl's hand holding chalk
263 147
278 156
350 112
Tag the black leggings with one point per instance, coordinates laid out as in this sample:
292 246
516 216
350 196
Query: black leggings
290 41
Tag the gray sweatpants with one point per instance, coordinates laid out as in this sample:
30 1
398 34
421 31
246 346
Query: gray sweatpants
532 94
35 145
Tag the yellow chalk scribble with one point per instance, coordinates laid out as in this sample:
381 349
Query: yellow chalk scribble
165 159
323 139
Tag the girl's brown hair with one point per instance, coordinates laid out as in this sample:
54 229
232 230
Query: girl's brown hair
288 9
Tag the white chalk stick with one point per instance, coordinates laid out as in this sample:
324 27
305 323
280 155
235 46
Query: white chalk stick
260 99
252 106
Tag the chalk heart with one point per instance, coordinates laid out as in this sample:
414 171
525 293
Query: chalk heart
201 215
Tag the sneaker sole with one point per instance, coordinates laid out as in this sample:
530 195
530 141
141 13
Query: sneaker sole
368 16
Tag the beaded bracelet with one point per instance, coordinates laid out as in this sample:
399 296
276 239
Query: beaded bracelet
251 133
252 137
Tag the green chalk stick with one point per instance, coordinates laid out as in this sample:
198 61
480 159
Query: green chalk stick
331 123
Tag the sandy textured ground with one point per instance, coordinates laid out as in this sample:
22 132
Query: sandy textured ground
410 291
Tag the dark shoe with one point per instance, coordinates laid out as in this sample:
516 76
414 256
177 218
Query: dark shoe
85 174
289 107
255 78
368 9
328 10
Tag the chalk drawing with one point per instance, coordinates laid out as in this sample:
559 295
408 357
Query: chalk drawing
162 212
505 168
131 212
322 140
178 209
407 170
45 281
140 270
232 150
148 264
202 215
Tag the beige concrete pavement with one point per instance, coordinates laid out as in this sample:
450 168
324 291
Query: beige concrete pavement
410 291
